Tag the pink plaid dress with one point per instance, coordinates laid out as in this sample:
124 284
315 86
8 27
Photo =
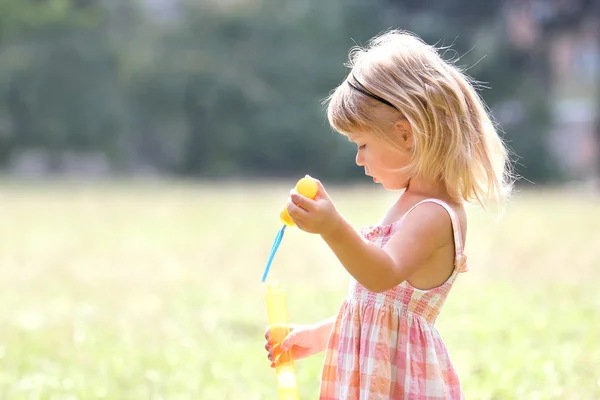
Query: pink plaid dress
385 345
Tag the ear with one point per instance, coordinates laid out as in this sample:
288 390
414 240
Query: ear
404 134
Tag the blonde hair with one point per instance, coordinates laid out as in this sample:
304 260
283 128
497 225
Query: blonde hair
455 140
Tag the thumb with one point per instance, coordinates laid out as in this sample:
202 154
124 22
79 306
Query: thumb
321 192
290 340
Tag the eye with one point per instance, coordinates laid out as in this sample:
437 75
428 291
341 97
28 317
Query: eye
362 146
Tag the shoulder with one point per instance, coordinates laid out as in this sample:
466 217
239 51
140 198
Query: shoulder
424 230
430 221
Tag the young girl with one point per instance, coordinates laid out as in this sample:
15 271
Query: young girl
419 127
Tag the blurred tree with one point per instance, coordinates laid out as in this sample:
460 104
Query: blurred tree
48 52
566 17
476 32
259 77
213 89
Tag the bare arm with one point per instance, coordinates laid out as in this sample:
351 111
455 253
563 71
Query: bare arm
309 339
378 269
323 330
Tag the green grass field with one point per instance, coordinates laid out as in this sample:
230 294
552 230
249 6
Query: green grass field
152 291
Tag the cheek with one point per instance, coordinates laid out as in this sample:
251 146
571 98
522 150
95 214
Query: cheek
403 159
393 165
376 164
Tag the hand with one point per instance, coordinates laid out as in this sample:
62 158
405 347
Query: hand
303 340
317 215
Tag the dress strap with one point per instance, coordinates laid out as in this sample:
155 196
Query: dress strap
460 259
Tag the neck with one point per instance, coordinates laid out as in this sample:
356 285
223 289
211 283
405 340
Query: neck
425 188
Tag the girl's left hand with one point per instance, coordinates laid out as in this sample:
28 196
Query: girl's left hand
314 216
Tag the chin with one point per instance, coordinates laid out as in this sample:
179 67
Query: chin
394 188
392 184
389 187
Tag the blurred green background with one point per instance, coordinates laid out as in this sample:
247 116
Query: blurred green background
146 147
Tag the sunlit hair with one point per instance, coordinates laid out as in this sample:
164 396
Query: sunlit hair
398 76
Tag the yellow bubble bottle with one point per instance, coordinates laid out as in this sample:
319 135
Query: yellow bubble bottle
284 362
276 306
306 187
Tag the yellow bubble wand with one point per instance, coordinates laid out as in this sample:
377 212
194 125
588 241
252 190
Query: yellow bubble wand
276 306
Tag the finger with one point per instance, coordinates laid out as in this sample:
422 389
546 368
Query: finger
297 213
289 341
314 179
268 334
275 353
268 346
302 201
321 192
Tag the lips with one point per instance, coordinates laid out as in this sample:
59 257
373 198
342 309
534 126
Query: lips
374 179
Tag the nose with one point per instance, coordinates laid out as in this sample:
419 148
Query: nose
359 159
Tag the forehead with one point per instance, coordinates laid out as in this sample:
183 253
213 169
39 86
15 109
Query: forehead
354 136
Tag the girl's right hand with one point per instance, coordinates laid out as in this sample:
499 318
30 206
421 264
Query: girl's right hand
303 340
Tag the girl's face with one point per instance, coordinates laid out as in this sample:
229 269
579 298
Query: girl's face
382 160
